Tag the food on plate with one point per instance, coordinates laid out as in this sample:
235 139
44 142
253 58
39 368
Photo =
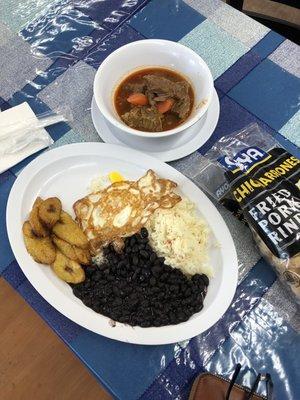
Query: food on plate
138 288
65 245
38 227
67 229
82 256
181 236
98 183
101 181
154 99
49 211
66 248
67 270
150 264
123 208
41 249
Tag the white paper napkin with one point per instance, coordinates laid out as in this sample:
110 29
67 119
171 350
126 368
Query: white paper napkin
21 116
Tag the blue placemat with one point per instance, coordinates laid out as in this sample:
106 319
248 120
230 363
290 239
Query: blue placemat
49 53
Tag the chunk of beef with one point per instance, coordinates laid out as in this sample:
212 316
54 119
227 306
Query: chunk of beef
181 90
160 89
182 107
144 118
136 87
161 97
159 85
151 97
164 88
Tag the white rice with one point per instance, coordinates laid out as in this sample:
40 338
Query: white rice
181 236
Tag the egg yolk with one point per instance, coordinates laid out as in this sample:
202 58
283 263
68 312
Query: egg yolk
115 176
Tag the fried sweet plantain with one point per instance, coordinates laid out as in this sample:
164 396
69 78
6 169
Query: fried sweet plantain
39 229
67 270
66 248
67 229
82 256
49 211
41 249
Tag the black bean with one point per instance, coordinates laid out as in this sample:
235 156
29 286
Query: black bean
135 260
138 288
135 248
87 301
96 307
90 270
123 273
205 279
199 307
164 277
148 248
152 281
87 284
146 272
138 238
117 301
156 269
116 290
145 304
132 241
160 296
76 291
201 286
121 264
195 289
144 253
123 319
196 277
144 232
153 257
145 324
135 275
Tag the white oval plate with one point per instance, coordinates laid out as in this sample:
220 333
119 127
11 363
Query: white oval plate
168 148
66 173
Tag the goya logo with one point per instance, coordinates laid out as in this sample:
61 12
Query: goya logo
245 159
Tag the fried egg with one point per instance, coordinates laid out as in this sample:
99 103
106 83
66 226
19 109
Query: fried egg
123 208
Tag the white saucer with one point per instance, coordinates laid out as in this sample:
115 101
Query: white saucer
168 148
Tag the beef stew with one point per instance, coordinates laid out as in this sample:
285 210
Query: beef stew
154 99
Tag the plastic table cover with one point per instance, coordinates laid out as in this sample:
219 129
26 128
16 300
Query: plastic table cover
49 53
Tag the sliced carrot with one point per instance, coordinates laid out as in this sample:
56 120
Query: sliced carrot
165 106
138 99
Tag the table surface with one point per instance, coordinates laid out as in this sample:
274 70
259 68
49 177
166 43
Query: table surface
49 53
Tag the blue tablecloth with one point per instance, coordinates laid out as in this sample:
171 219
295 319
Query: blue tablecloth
49 52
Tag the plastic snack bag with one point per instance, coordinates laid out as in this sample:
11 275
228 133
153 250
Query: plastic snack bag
259 181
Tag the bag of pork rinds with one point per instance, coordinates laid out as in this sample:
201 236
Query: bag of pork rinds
259 181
